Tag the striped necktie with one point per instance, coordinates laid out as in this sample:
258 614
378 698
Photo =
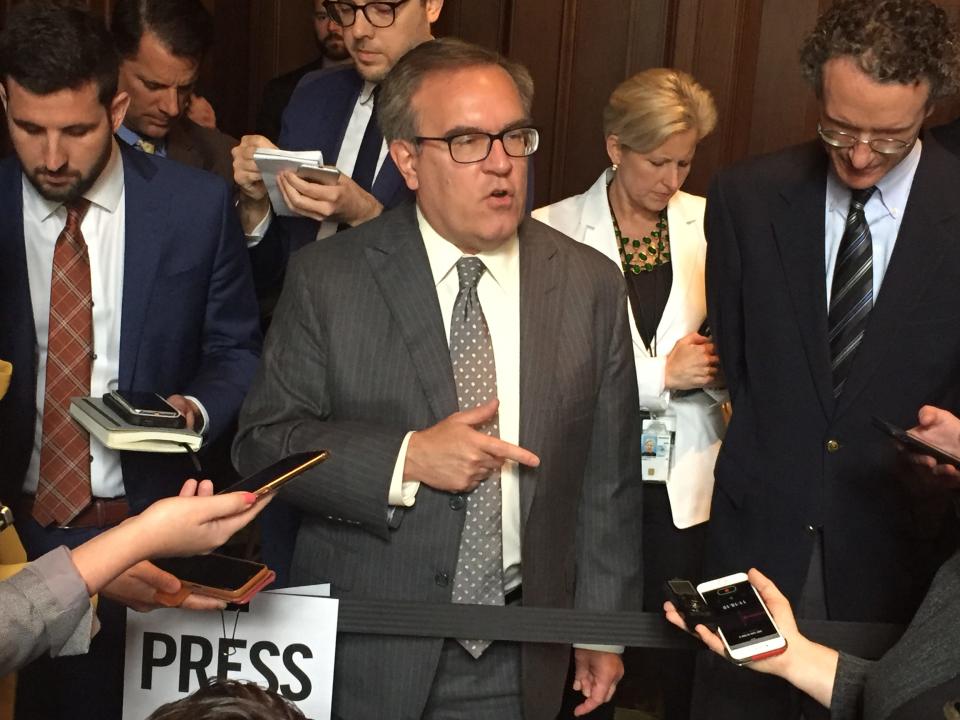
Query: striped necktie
851 297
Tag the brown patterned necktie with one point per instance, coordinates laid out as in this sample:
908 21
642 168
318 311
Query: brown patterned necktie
64 487
479 577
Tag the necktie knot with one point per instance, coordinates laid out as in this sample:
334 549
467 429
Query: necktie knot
76 210
469 270
859 198
150 148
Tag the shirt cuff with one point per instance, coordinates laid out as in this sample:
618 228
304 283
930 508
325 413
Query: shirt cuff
616 649
203 413
257 234
402 494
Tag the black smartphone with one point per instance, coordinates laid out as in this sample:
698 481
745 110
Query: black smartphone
144 408
280 473
214 575
915 444
689 604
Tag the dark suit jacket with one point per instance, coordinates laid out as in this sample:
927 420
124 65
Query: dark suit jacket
316 119
947 135
188 319
357 356
276 96
778 473
200 147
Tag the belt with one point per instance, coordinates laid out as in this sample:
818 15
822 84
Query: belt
100 513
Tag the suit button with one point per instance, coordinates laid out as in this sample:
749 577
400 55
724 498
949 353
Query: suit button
832 446
442 579
811 529
457 502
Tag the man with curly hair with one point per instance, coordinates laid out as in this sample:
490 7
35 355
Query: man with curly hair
833 278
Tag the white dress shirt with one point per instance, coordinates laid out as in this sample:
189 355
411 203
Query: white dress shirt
884 212
499 292
346 160
103 231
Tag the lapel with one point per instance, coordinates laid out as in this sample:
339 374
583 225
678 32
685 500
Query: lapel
19 330
798 229
596 230
401 270
349 98
541 270
686 242
928 228
146 205
180 146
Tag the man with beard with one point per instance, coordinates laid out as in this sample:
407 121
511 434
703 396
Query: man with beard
276 94
331 111
117 270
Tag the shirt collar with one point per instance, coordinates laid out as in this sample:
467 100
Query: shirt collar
105 193
893 189
366 92
131 138
502 263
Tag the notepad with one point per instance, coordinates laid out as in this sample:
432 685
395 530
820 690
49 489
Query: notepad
117 434
272 161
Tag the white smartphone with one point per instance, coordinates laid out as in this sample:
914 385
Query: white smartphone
744 624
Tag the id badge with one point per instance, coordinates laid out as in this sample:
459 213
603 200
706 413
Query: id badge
656 444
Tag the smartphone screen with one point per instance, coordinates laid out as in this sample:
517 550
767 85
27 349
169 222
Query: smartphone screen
145 401
278 474
216 571
739 614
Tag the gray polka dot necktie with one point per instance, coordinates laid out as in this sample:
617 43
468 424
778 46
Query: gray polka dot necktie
479 577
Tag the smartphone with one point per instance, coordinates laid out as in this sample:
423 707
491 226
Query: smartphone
744 624
144 408
280 473
323 174
915 444
689 604
219 576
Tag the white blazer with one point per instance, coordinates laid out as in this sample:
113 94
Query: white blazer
699 421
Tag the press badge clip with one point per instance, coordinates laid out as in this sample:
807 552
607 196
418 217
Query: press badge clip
656 444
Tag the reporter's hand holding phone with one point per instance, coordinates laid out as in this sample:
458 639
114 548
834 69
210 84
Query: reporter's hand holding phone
184 525
804 664
941 429
344 202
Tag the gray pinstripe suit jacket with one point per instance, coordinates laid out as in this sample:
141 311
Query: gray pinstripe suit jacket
357 356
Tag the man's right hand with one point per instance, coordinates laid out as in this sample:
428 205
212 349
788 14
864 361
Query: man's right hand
254 202
453 456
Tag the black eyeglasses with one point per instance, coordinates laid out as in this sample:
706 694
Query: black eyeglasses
845 140
474 147
378 14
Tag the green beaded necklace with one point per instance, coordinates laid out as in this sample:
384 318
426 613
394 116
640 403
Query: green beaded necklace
642 255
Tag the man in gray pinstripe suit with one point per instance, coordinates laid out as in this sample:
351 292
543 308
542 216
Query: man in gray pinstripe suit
358 361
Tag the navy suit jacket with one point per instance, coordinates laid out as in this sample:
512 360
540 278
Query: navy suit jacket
189 320
316 119
794 458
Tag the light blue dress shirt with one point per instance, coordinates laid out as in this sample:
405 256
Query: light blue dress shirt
884 212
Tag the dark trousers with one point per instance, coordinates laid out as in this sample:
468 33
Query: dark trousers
84 686
668 553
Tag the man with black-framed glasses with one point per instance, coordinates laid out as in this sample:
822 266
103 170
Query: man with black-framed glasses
332 111
471 371
833 281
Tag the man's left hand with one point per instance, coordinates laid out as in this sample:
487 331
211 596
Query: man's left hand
188 409
137 588
345 202
596 675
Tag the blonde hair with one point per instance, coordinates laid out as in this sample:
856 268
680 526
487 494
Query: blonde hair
647 108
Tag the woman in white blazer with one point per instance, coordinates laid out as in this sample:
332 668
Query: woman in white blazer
636 215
